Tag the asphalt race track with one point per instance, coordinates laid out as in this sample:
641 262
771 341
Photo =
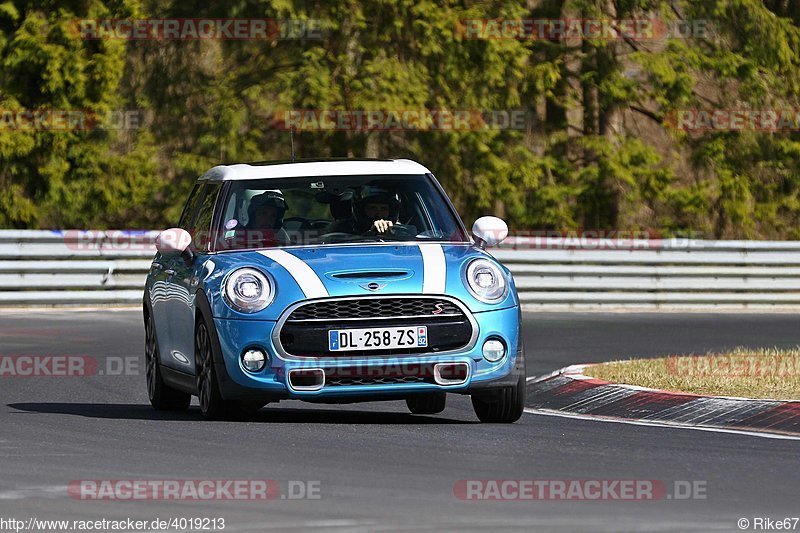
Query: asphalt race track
378 467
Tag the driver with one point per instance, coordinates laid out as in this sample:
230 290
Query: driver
376 209
265 215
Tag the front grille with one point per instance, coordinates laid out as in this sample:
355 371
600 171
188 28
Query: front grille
304 333
379 374
389 380
375 308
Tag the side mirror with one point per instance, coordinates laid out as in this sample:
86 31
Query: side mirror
175 241
489 231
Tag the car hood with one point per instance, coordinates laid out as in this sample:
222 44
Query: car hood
363 270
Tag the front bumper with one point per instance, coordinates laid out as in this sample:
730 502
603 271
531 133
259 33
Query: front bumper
236 336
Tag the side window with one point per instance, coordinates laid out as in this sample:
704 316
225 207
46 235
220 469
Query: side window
201 223
190 207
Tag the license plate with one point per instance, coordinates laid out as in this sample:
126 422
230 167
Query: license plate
378 338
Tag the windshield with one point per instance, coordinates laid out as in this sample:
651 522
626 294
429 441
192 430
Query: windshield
335 210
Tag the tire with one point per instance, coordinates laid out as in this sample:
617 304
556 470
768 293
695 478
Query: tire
504 406
212 405
162 397
427 404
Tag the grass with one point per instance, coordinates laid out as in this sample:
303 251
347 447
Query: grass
747 373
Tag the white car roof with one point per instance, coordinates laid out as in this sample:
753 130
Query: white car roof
344 167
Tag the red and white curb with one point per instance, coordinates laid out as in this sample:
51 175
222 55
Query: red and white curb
570 393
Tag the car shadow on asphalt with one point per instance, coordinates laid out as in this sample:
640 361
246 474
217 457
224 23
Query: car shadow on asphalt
270 415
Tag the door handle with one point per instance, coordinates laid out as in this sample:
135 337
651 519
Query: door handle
169 272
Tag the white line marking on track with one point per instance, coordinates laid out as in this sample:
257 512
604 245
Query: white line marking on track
57 491
547 412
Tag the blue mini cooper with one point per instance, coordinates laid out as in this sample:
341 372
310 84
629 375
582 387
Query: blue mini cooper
330 281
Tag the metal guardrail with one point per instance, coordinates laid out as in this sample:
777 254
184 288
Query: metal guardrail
74 267
91 268
669 273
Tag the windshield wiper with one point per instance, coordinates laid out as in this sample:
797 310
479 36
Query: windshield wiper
349 240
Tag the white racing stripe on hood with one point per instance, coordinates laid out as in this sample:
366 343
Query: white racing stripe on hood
434 268
303 274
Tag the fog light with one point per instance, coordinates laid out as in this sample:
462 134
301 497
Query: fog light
494 350
254 360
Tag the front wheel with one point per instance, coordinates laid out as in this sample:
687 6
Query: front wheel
212 404
501 406
162 397
427 404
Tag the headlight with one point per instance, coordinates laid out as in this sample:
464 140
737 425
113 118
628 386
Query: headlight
486 281
248 290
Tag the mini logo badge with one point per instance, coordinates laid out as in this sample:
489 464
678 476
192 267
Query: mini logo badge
373 286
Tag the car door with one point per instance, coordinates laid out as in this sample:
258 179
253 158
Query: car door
184 280
160 288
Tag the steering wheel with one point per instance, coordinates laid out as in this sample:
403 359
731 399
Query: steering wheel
319 223
403 230
304 222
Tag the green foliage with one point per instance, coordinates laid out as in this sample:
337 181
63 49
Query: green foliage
600 152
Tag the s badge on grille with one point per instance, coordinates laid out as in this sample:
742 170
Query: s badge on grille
438 309
373 286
